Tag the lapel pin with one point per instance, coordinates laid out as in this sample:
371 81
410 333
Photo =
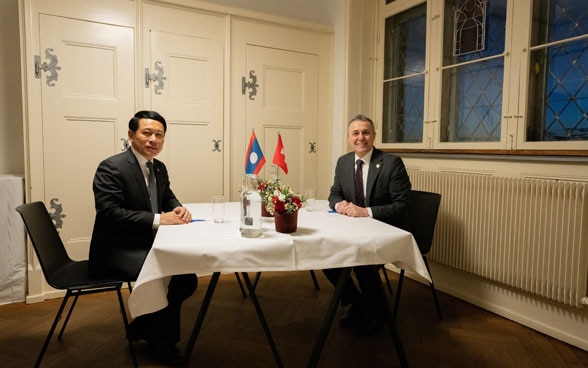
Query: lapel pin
377 166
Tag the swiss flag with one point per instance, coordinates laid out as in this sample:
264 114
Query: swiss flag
279 157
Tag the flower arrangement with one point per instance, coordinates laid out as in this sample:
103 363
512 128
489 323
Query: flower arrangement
266 189
279 198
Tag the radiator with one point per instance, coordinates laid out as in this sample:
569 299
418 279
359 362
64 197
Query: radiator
530 234
13 264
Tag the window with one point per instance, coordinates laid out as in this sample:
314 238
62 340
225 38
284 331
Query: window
404 76
558 78
485 74
473 81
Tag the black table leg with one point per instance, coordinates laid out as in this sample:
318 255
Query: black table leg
200 318
240 285
392 327
266 329
328 320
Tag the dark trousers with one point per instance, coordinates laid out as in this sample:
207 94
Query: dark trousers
165 323
369 293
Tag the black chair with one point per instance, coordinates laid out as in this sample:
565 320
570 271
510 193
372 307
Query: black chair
422 216
61 272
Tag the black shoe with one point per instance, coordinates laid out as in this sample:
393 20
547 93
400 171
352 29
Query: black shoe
352 316
166 352
135 332
370 324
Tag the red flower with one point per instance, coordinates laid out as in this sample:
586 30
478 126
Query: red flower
280 198
279 206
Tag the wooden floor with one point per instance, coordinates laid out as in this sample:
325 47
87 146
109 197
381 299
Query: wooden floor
232 336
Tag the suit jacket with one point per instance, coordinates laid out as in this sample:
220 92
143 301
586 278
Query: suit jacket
387 187
123 233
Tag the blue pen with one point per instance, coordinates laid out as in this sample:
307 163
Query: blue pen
196 220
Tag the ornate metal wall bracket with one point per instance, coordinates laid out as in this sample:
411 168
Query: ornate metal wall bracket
57 213
157 78
50 67
125 144
216 145
252 85
312 147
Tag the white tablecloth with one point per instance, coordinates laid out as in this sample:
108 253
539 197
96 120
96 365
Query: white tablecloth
323 240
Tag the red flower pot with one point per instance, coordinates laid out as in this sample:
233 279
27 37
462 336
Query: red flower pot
286 222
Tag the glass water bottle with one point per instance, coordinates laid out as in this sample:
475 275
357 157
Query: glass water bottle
250 208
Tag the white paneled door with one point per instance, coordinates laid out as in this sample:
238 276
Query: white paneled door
187 50
281 83
286 103
85 116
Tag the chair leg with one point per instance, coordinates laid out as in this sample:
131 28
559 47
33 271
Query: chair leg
433 291
126 323
398 292
52 330
383 268
73 304
314 281
240 284
130 286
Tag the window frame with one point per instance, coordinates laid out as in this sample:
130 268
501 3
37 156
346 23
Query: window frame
516 60
386 11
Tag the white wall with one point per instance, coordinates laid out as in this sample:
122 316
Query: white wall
11 127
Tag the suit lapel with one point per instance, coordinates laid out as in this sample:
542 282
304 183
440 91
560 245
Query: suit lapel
373 173
348 177
137 173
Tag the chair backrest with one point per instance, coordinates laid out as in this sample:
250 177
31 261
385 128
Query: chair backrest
45 238
422 216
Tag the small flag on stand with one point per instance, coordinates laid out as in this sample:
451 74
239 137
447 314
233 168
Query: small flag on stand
255 160
279 157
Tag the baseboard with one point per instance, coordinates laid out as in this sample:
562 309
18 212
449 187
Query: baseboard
557 320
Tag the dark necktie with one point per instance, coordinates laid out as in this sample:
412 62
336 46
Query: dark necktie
152 187
359 197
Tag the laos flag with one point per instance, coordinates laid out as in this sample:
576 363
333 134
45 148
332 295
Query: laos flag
254 160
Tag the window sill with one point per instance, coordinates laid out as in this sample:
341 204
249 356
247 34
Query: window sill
505 155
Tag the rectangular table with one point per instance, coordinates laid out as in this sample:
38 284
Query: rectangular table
323 240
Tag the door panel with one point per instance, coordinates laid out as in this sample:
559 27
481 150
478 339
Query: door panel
292 70
191 161
286 103
192 103
85 115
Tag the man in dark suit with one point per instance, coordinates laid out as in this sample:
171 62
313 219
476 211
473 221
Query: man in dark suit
130 205
380 190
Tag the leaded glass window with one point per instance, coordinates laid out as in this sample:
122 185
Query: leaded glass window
558 72
469 27
404 76
472 82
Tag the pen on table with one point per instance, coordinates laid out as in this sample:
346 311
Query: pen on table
197 220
